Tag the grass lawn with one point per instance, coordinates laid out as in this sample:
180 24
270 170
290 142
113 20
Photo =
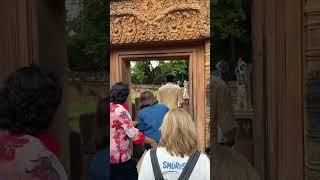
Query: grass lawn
75 111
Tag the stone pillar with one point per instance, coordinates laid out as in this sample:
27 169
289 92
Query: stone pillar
283 75
312 89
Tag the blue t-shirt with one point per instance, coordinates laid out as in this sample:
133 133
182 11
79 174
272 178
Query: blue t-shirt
150 119
100 165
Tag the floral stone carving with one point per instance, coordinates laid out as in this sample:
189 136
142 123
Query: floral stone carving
133 21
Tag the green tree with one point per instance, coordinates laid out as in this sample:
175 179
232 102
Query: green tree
229 18
144 73
139 73
87 39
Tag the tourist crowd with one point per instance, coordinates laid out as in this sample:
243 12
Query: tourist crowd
29 100
167 131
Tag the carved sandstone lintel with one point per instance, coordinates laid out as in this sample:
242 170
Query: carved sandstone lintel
158 20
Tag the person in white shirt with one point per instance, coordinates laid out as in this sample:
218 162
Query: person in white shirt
170 94
178 145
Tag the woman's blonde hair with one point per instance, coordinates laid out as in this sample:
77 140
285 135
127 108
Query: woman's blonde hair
178 133
147 99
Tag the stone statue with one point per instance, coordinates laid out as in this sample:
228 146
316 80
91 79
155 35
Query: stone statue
241 71
185 90
242 97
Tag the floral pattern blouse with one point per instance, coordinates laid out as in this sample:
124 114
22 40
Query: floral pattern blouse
25 157
122 134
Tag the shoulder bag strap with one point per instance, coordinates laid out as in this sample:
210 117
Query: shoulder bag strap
192 161
155 165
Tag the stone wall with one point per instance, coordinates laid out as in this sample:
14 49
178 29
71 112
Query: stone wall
84 91
86 87
137 89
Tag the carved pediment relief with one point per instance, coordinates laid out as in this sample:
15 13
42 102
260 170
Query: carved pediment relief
158 20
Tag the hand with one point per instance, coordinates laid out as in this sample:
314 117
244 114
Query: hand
150 141
154 144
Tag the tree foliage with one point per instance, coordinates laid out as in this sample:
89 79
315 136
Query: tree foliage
229 18
87 39
144 73
139 72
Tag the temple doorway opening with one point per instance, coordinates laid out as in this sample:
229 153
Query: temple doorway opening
149 74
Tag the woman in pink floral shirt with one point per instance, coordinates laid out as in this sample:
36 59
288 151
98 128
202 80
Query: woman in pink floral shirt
122 134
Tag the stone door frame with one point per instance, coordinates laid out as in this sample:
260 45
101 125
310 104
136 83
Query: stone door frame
195 53
279 72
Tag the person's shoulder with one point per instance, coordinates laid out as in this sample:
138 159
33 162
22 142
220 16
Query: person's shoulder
120 109
172 85
162 87
37 151
204 160
162 106
34 143
176 87
162 152
27 144
147 156
142 112
204 157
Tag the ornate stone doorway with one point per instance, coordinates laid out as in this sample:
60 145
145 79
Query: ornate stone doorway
194 53
164 28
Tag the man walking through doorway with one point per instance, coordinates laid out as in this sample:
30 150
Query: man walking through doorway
170 94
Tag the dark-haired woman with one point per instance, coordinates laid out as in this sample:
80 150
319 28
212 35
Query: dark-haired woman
28 103
150 116
100 166
123 133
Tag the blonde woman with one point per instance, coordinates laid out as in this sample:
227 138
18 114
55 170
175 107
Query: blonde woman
177 156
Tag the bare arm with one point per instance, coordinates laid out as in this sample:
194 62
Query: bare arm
150 141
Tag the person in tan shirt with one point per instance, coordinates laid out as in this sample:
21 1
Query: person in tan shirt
170 94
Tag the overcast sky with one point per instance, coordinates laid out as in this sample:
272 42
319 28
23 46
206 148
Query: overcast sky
153 63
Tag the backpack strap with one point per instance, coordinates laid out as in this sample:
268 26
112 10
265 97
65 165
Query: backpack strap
192 161
155 165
